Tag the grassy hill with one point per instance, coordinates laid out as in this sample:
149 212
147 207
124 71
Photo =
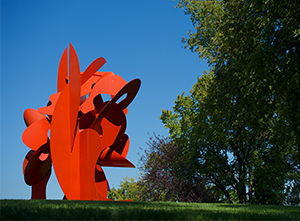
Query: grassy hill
99 210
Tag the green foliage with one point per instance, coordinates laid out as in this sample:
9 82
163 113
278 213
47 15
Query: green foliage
128 189
99 210
241 120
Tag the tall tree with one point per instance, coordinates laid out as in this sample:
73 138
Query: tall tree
242 121
252 46
166 175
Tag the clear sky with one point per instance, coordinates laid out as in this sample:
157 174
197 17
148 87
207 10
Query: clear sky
138 39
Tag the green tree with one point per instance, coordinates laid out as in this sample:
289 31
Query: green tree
253 48
242 120
219 145
128 189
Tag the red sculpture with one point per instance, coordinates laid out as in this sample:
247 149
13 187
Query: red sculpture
85 132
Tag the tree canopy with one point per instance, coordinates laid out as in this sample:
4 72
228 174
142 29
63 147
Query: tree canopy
240 124
128 189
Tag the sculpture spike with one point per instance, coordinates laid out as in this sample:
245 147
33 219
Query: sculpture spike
74 92
62 71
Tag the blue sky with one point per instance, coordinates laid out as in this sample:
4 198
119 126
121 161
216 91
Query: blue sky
138 39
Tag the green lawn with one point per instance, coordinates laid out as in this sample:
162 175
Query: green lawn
98 210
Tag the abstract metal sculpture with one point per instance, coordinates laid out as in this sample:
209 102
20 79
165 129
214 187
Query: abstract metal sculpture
86 133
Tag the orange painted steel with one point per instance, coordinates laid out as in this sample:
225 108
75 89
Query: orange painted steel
86 133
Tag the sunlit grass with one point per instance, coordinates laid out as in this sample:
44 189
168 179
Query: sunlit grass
97 210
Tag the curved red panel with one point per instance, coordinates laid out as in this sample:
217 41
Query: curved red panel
111 158
50 108
113 126
91 69
109 84
31 116
36 134
86 87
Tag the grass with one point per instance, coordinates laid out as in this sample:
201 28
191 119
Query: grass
99 210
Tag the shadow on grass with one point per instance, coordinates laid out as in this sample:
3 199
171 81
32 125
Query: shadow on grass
98 210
